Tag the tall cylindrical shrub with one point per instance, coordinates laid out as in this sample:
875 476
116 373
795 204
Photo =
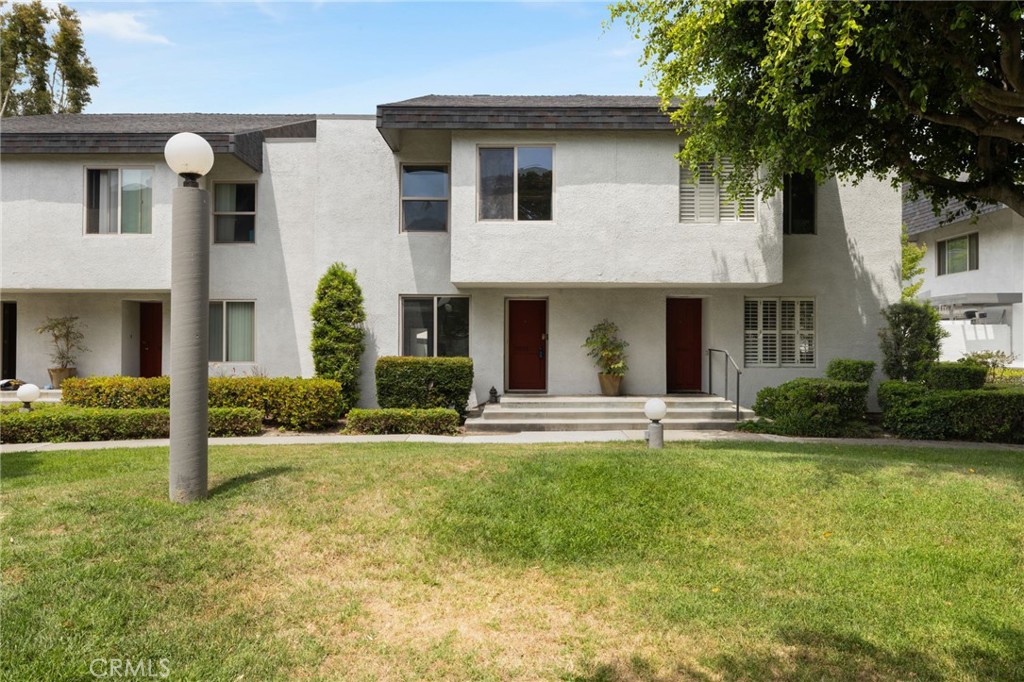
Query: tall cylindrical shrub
338 332
912 340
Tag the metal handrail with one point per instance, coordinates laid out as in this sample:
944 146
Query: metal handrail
725 366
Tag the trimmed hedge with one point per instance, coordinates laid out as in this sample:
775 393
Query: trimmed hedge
812 407
296 404
956 376
986 415
436 421
841 369
72 424
422 383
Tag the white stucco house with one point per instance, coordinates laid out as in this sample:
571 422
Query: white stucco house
973 275
498 227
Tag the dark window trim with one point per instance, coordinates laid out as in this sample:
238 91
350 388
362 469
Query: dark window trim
942 265
447 198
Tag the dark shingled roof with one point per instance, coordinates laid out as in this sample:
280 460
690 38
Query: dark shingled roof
919 216
520 112
532 101
239 134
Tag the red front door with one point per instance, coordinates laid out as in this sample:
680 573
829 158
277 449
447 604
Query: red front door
151 339
683 342
527 345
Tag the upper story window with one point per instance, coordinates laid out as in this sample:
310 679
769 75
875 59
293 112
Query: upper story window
435 326
516 183
959 254
425 198
234 212
703 198
779 332
798 192
118 200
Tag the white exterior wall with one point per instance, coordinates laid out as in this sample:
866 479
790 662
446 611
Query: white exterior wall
44 243
850 268
1000 271
616 250
615 220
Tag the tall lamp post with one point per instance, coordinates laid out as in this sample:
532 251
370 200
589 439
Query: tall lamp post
191 157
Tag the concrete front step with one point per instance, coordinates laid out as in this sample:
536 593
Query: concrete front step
601 413
498 412
508 425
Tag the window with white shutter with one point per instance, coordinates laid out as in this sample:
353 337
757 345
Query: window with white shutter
705 199
779 332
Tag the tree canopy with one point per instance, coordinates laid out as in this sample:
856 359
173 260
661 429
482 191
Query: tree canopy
930 94
43 65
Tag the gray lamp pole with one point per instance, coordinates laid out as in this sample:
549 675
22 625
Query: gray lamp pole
191 157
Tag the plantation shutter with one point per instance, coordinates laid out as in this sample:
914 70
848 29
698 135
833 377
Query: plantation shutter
687 196
751 327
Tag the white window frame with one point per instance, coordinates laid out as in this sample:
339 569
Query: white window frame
515 181
714 204
942 254
253 213
433 298
447 198
85 199
224 336
796 333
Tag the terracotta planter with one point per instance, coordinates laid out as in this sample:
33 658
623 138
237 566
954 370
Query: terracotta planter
611 384
59 374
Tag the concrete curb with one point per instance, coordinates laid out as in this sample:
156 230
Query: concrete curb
524 437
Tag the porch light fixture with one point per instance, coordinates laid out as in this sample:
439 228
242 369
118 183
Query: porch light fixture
28 394
655 409
191 157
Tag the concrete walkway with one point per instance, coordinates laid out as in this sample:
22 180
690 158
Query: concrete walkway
512 438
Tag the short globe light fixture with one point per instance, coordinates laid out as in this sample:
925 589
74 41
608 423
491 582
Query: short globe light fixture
655 409
28 394
190 156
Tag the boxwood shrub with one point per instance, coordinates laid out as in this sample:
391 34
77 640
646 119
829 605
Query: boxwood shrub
435 421
812 407
842 369
297 404
956 376
991 414
407 382
71 424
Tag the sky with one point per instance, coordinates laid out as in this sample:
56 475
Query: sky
334 57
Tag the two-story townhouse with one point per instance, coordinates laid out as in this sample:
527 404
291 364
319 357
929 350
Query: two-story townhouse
498 227
973 274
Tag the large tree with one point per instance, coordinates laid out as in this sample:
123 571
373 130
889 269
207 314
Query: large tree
43 65
926 93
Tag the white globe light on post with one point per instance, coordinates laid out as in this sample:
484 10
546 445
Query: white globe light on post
28 394
655 409
191 157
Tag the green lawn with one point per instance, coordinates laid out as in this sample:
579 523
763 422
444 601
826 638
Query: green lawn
721 561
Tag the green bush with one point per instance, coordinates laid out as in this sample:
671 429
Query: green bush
338 335
437 421
297 404
405 382
987 415
956 376
72 424
841 369
812 407
912 340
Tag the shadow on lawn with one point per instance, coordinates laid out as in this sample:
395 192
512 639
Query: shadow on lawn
231 484
808 655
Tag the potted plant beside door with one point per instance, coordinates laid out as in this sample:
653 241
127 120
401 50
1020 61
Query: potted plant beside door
609 354
68 344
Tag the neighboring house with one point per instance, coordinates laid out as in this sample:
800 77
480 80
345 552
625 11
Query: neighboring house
498 227
973 274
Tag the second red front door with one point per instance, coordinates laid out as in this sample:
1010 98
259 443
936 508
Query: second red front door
683 344
527 345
